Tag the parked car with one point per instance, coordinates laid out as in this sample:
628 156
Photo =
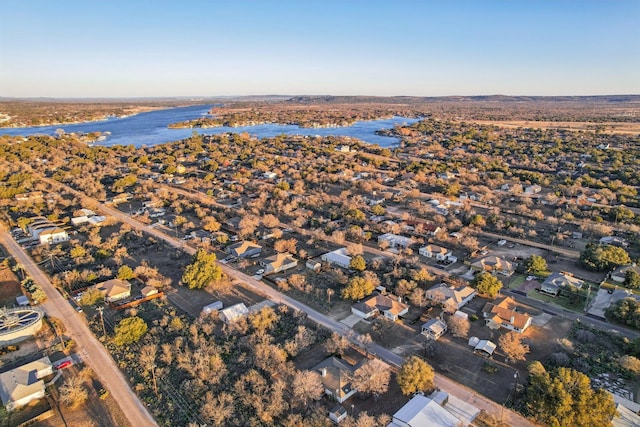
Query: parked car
64 364
261 271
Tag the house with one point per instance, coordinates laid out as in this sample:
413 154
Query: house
446 175
343 148
503 314
619 275
231 314
339 257
395 240
278 262
374 199
451 298
53 235
436 251
243 249
114 289
422 411
614 241
33 195
557 280
121 198
269 175
532 189
85 219
313 265
337 414
434 329
336 375
424 228
24 384
388 305
494 264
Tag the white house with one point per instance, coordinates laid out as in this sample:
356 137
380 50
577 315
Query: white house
388 305
431 251
24 384
395 240
619 275
337 414
278 263
533 189
434 329
557 280
53 235
614 241
336 378
451 297
339 257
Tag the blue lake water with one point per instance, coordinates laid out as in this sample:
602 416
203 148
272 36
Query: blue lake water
151 128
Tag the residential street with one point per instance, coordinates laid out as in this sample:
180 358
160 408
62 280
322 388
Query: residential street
460 391
97 356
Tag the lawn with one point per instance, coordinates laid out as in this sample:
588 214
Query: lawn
560 301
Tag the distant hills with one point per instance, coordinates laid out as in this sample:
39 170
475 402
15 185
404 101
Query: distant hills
333 99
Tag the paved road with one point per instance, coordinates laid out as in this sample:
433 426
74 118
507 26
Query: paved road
95 354
572 315
458 390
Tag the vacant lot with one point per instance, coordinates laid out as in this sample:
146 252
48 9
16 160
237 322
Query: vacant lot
9 287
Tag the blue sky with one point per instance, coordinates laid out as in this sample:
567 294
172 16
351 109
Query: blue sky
420 48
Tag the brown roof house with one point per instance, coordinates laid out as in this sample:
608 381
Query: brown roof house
336 375
450 297
278 263
388 305
114 289
503 314
244 249
494 264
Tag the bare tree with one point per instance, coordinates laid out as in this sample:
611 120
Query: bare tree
307 385
73 393
459 326
511 344
372 377
148 360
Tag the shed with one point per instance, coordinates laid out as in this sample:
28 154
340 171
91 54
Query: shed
337 414
148 291
22 300
214 306
485 347
233 313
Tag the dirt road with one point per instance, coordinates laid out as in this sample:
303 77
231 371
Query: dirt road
76 328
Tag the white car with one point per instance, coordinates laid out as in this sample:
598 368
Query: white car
261 271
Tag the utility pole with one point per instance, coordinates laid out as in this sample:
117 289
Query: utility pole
104 330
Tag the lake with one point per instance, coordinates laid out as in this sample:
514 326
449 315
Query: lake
151 128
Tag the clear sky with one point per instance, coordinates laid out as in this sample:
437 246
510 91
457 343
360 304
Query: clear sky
112 48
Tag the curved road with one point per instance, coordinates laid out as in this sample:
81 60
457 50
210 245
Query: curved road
96 355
